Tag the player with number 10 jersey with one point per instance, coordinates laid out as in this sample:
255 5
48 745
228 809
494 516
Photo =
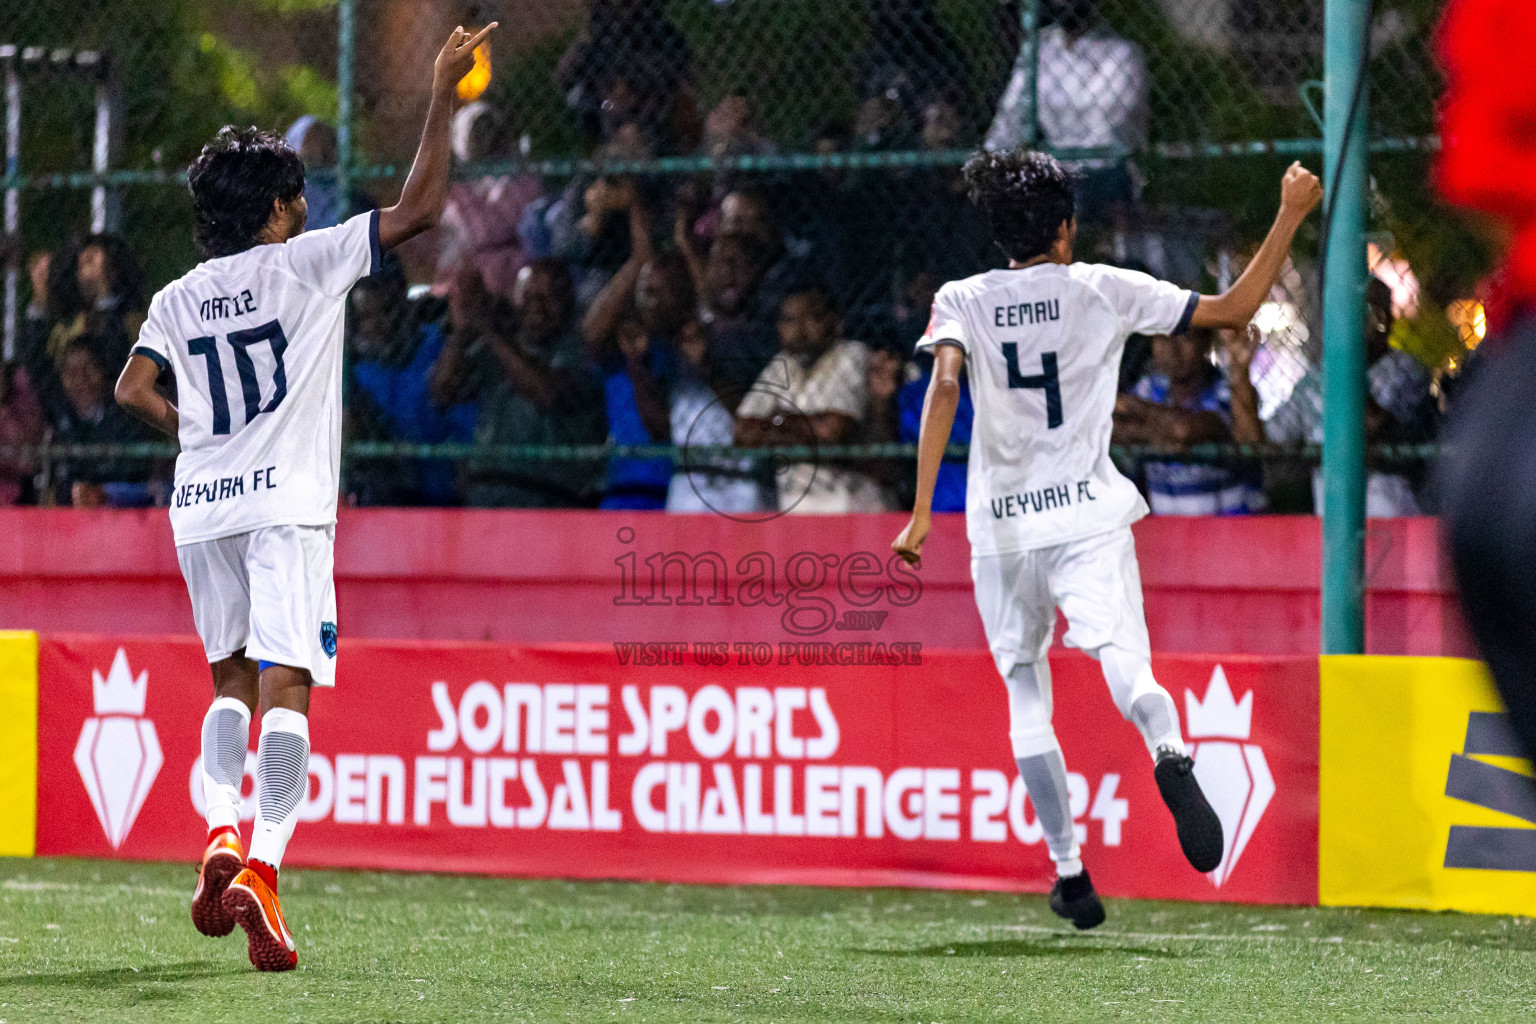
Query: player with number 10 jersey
253 340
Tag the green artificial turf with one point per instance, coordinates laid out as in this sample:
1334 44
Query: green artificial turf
96 940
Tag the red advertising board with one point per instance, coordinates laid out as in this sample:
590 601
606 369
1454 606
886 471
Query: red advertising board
818 763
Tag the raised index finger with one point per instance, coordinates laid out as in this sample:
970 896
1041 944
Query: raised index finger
475 41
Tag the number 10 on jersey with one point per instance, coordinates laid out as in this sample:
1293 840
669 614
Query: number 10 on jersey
240 343
1046 380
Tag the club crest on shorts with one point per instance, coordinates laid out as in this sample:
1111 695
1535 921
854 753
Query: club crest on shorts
328 638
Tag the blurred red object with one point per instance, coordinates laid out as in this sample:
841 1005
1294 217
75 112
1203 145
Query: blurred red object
1488 128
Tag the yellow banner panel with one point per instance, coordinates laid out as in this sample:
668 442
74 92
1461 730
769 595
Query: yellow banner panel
1424 801
18 743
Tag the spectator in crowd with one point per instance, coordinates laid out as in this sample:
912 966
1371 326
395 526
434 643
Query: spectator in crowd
480 220
586 223
92 417
96 289
315 142
846 213
814 392
945 234
638 378
914 308
1399 409
791 262
32 340
1091 92
525 370
655 289
590 226
896 412
631 332
702 413
21 423
1184 400
731 129
630 65
729 283
393 351
908 59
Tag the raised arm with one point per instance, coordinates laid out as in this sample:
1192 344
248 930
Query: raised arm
939 407
618 295
426 187
1300 191
1247 428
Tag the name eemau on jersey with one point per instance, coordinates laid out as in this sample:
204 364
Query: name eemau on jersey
1020 314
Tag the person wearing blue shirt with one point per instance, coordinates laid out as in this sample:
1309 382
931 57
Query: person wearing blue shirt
635 390
392 355
1184 400
906 414
532 384
949 491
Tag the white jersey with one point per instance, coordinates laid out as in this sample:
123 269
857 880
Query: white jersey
1042 351
255 342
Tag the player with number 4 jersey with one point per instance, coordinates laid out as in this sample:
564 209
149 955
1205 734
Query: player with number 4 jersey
1047 513
252 338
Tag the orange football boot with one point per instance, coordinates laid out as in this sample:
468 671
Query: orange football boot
222 860
252 902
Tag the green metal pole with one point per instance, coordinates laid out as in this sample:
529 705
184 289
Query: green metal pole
1029 13
346 50
1344 134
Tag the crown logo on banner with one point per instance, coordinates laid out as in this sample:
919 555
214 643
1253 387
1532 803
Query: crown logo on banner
1218 714
118 754
120 693
1233 772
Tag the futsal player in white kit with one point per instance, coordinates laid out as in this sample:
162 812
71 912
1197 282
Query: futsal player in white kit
1047 514
253 339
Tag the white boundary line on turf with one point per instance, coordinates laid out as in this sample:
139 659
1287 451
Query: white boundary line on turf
1186 937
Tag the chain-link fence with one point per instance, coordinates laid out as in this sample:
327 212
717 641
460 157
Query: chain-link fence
761 146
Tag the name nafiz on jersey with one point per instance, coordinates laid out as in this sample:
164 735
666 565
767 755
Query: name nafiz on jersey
1041 500
219 307
222 488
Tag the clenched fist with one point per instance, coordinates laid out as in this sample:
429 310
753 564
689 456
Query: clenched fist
1300 191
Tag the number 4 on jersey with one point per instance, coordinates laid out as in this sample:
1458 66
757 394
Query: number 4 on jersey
250 388
1046 379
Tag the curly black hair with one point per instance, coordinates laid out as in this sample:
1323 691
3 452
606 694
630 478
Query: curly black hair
234 181
1025 195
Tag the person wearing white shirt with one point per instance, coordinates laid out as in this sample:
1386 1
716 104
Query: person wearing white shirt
253 338
1048 515
1090 93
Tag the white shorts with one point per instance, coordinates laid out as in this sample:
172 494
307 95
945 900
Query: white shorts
268 591
1094 581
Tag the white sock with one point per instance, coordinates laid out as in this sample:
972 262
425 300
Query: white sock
226 738
1140 699
1041 766
1069 868
282 782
